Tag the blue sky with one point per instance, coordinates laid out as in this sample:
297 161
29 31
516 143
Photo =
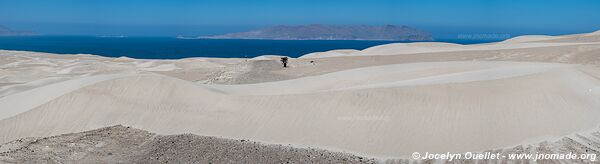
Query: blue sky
203 17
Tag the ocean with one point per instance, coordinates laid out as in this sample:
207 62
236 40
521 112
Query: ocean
174 48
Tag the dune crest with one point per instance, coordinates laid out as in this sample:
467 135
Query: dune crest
519 42
595 33
530 38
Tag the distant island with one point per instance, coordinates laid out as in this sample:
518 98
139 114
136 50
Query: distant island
4 31
332 32
112 36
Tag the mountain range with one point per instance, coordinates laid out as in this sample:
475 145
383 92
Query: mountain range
331 32
4 31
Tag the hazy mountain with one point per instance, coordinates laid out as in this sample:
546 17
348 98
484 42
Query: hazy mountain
4 31
331 32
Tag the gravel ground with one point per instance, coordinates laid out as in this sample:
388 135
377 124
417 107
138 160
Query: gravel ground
120 144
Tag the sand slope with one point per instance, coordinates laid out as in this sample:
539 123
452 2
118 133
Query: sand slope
388 120
520 42
14 104
388 76
530 38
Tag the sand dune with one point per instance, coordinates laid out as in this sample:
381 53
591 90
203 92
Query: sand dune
595 33
386 120
520 42
388 76
394 48
530 38
267 57
411 48
14 104
369 102
331 53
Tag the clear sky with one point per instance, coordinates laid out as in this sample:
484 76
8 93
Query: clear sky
202 17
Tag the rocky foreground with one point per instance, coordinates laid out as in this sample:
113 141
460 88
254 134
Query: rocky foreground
120 144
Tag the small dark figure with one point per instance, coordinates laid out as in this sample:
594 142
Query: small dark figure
284 60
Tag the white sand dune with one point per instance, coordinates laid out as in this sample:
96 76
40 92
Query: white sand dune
595 33
144 64
267 57
160 68
15 88
398 115
24 101
520 42
394 48
344 51
530 38
391 76
332 53
412 48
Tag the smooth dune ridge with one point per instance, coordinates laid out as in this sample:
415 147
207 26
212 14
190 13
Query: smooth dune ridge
385 107
527 41
389 76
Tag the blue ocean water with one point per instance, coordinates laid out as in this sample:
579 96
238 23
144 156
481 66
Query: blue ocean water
173 48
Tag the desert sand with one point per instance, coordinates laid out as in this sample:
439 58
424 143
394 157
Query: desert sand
383 102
